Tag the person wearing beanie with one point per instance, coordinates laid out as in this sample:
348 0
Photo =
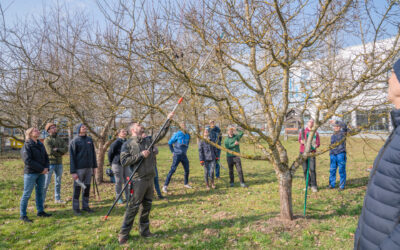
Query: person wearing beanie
56 147
378 225
338 154
82 164
36 163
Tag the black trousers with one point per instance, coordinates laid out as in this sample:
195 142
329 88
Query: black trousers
235 160
143 192
312 175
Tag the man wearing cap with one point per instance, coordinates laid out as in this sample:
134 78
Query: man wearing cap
338 154
56 147
232 143
82 162
216 137
378 226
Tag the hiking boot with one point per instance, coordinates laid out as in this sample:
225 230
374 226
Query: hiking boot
59 202
77 212
187 186
25 219
231 185
341 189
164 189
122 240
212 186
161 197
43 214
243 185
314 189
88 210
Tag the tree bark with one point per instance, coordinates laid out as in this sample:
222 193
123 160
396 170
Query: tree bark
285 192
101 151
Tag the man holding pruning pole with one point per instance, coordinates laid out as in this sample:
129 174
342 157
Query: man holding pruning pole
137 153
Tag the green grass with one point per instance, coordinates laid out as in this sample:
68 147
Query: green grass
224 218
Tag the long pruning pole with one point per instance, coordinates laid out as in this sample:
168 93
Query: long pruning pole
156 138
305 197
141 161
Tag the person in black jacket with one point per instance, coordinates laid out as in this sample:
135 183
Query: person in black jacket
82 162
208 157
36 163
378 226
120 172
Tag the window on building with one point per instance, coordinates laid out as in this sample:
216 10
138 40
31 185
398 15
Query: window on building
376 119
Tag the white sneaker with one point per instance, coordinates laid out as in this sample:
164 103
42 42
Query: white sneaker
60 202
314 189
164 189
187 186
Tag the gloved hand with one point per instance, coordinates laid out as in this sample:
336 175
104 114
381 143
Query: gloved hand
202 163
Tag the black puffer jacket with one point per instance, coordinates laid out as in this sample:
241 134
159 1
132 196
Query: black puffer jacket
115 151
378 226
81 152
35 157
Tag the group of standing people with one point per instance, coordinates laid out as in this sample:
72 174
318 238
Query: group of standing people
42 160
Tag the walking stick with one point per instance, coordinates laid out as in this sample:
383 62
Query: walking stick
95 187
305 197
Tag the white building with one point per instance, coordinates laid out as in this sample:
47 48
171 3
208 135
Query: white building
363 99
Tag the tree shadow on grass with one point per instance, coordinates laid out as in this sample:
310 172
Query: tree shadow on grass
352 183
217 225
345 209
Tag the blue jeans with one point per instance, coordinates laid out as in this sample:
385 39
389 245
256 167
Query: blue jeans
175 162
33 181
58 171
338 160
156 183
217 167
209 167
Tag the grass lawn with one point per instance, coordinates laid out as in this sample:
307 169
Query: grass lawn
240 218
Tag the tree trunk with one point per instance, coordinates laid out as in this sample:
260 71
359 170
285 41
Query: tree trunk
100 153
285 191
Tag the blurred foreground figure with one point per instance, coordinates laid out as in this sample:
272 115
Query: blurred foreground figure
378 226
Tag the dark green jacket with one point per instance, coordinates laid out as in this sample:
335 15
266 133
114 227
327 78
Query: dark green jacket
52 142
230 143
131 155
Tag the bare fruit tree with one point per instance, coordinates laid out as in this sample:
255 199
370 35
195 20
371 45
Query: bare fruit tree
257 49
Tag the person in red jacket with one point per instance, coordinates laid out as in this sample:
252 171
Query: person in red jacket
315 142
